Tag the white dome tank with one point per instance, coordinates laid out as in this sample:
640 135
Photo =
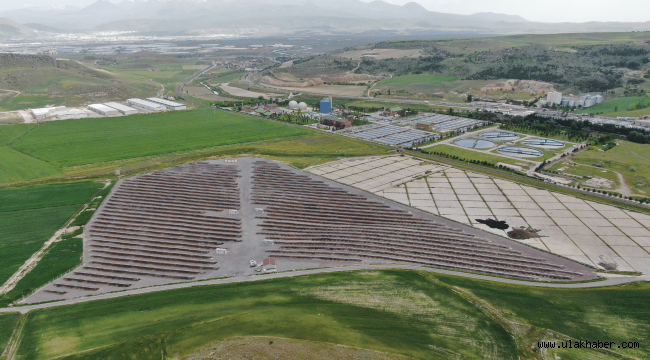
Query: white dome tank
293 104
302 106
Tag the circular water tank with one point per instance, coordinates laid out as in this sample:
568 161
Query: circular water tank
293 104
302 106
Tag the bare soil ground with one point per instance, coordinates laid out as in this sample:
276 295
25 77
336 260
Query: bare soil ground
203 93
267 347
341 90
289 80
520 86
380 54
235 91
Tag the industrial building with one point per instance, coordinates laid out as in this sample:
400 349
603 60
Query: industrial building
584 100
123 109
40 114
103 110
144 104
325 106
171 105
334 121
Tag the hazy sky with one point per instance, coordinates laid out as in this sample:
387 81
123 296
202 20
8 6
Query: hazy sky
545 11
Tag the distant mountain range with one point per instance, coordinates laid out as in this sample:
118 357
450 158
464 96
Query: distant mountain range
278 17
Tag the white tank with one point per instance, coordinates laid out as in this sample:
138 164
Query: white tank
302 106
293 104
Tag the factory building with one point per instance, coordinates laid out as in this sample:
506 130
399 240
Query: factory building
325 106
123 109
144 104
585 100
40 114
171 105
103 110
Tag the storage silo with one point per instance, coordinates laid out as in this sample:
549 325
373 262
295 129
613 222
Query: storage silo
325 106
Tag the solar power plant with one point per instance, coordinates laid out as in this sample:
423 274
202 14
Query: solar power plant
459 123
577 229
167 226
392 135
311 219
163 225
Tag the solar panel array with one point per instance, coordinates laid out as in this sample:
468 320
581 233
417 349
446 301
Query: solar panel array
445 122
393 135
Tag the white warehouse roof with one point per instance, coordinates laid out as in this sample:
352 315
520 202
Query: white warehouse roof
103 109
125 110
149 105
170 104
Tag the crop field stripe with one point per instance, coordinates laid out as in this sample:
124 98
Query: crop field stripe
88 141
19 166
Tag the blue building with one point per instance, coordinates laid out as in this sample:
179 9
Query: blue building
325 106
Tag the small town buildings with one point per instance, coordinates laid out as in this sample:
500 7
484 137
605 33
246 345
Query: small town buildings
270 107
334 121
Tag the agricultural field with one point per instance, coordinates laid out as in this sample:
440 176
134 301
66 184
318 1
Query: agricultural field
7 324
414 314
16 166
629 159
90 141
30 215
226 78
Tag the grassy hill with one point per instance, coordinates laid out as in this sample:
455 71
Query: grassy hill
42 80
415 314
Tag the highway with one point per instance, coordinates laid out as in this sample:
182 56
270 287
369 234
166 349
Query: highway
611 280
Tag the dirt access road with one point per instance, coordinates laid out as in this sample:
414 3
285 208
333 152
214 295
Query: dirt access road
610 281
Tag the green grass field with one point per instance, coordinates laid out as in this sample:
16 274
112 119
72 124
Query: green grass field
474 155
60 259
415 314
18 166
90 141
621 159
426 79
226 78
9 133
27 102
585 171
7 324
30 215
618 107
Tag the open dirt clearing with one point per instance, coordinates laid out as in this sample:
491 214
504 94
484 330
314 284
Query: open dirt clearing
267 347
380 54
342 90
205 94
520 86
235 91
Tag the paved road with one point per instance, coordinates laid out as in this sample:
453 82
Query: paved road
611 280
